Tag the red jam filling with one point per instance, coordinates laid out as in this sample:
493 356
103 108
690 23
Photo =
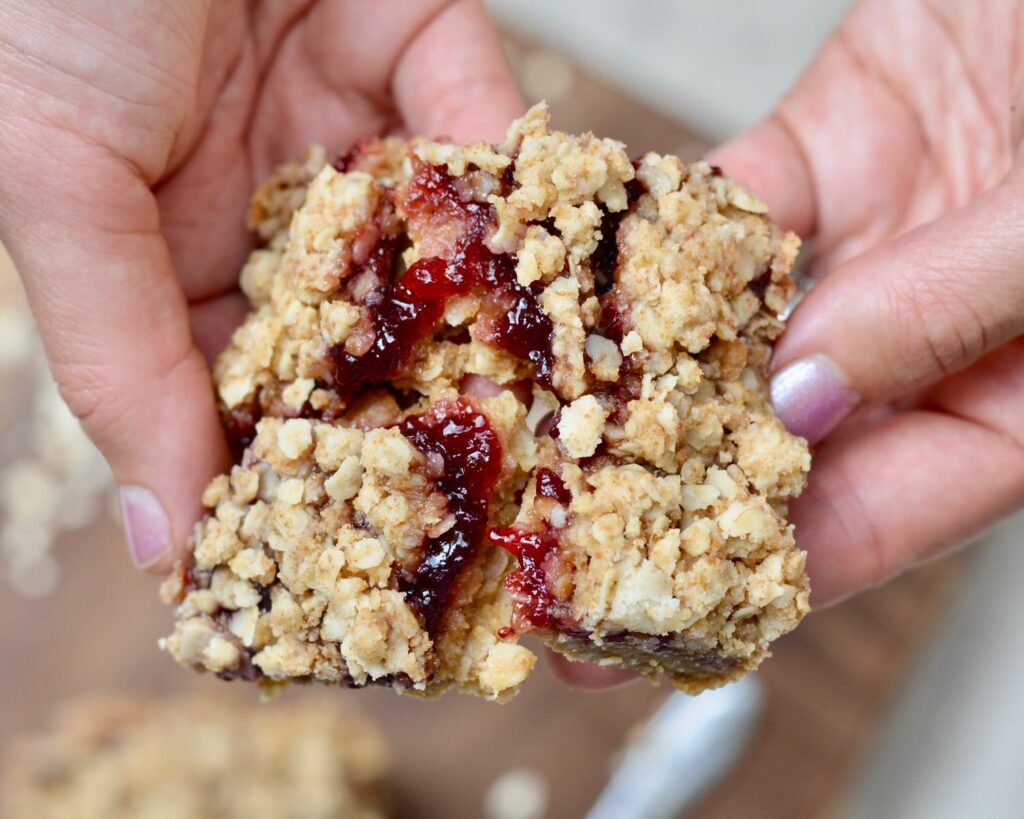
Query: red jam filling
240 427
605 259
527 585
400 321
406 312
344 162
760 283
471 455
549 485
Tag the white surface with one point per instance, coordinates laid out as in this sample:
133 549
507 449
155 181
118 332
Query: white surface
688 746
955 744
717 65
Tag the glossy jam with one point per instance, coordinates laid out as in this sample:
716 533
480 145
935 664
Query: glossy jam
527 584
471 455
345 161
549 485
400 318
406 312
240 428
524 330
432 190
605 259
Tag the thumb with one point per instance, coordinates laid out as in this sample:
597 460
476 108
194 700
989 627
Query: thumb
115 325
463 93
769 161
904 315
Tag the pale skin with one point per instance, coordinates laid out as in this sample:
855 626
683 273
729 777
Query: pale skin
133 133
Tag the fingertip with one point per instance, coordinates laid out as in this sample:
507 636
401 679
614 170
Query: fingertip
215 320
768 161
465 93
164 446
147 529
812 396
589 676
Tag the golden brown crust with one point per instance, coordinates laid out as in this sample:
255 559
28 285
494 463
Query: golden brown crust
659 284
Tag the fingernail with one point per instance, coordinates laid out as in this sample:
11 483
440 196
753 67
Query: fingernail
812 396
145 525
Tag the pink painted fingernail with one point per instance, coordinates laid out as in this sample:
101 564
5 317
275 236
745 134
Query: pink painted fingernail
145 526
812 396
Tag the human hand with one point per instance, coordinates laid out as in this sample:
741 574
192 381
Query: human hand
134 133
898 151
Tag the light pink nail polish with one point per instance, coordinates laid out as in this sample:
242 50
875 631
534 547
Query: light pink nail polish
145 525
812 396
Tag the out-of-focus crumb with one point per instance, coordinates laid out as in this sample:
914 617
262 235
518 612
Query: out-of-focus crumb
118 758
521 793
36 576
17 337
52 478
546 75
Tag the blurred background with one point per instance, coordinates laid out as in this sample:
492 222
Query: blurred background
902 702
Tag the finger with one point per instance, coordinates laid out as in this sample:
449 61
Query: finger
203 200
904 315
903 490
588 675
769 161
116 330
861 150
202 211
453 80
214 320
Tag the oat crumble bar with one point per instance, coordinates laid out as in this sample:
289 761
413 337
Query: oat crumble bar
486 391
120 758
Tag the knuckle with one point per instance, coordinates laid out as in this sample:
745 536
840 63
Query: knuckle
856 526
94 395
464 99
937 326
105 397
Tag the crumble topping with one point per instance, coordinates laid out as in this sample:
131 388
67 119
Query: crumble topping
491 390
581 426
120 758
298 566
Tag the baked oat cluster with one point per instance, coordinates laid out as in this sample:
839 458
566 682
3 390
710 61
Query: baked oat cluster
490 391
113 758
